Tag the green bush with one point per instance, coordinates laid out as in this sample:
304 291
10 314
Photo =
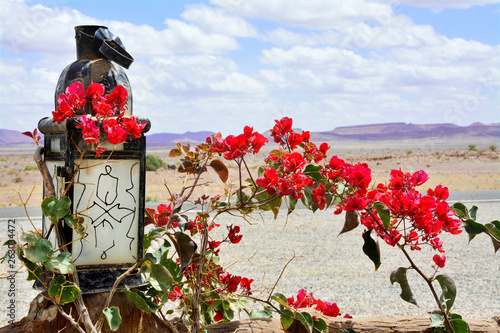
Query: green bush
472 148
30 168
154 163
493 147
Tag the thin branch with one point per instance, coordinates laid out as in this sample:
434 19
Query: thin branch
138 264
279 277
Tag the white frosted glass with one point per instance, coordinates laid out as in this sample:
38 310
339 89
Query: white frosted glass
107 196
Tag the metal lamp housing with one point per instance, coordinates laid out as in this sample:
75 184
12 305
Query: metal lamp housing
108 192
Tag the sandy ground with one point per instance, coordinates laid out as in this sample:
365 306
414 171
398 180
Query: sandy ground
458 169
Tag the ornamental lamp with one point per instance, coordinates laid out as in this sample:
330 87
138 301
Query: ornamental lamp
108 191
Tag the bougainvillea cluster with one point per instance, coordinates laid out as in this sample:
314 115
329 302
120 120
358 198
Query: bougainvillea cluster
108 114
307 300
297 169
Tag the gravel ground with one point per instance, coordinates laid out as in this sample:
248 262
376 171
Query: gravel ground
333 268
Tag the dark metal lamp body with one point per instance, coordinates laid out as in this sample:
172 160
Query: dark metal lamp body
108 192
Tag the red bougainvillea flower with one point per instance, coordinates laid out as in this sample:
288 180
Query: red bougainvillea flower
175 294
439 260
163 213
90 130
355 203
233 238
304 300
245 284
108 105
115 133
318 197
393 238
213 246
307 300
133 127
281 130
118 97
234 147
440 192
72 100
231 282
99 150
218 316
95 91
103 109
269 180
331 310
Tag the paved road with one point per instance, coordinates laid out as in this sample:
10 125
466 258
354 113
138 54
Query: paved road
465 196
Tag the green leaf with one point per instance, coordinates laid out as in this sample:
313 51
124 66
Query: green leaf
460 326
163 277
292 203
306 320
474 228
260 314
286 319
449 290
63 291
313 171
493 230
227 310
238 304
141 301
460 209
281 300
473 212
371 248
113 317
437 319
215 304
56 209
62 262
384 213
173 268
76 223
320 325
351 222
399 276
34 270
31 237
157 246
40 252
496 224
187 248
307 198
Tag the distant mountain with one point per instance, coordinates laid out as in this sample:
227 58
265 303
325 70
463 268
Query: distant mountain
374 132
162 139
402 131
10 137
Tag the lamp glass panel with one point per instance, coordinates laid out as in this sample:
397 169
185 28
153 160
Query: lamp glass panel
106 195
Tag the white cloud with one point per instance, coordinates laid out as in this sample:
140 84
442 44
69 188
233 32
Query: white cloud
315 14
216 20
459 4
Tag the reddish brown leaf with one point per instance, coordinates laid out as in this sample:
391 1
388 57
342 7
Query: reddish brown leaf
187 166
221 169
174 153
351 222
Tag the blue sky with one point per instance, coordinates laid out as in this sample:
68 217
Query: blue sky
219 65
